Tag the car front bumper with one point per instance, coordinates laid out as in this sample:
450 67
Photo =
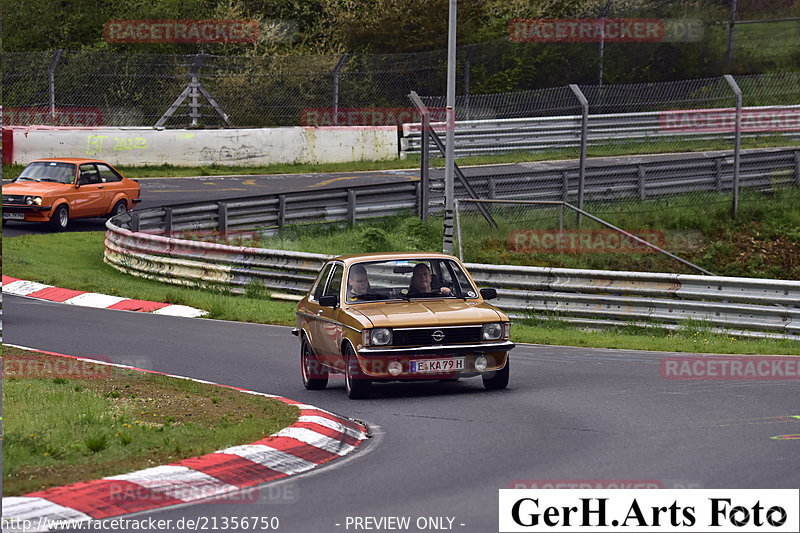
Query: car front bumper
375 362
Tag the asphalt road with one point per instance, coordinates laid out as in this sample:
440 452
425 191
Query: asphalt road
168 191
443 450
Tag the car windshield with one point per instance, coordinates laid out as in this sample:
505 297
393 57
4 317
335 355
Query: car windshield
48 171
407 280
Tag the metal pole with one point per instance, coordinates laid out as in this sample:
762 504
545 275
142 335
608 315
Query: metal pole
336 70
738 142
458 231
424 164
603 14
584 139
449 158
731 27
467 66
51 73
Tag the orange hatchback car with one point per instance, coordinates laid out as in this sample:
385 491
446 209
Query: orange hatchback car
59 189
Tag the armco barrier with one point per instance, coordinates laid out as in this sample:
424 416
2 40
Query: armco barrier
497 136
742 306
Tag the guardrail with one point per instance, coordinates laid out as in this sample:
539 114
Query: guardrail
277 210
741 306
633 177
497 136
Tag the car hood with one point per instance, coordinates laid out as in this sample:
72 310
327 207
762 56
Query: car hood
34 188
433 313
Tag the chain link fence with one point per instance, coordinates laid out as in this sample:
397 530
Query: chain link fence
90 87
670 143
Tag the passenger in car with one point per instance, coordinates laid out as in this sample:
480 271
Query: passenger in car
357 282
421 281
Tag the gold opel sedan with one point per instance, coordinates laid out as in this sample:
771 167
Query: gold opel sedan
400 316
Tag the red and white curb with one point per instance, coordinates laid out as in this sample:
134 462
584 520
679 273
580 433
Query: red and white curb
40 291
316 438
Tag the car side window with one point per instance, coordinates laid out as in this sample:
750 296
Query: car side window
465 287
321 280
88 174
335 285
107 174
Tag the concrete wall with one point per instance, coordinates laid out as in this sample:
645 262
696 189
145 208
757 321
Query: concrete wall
148 146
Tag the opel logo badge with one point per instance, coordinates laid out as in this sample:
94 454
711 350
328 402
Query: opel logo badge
437 335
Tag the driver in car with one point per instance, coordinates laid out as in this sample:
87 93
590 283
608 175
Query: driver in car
357 282
421 281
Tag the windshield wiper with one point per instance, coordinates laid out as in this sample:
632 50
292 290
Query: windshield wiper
26 178
51 179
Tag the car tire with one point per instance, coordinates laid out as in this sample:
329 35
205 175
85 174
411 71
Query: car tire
315 376
355 383
499 378
120 208
60 219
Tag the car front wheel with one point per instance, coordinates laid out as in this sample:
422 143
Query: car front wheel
60 219
355 382
315 376
499 378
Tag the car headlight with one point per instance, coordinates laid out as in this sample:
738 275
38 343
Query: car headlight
33 200
381 336
492 331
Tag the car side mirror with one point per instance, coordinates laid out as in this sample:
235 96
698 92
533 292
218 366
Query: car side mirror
328 301
488 294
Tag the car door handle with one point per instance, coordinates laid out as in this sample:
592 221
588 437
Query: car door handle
100 187
319 312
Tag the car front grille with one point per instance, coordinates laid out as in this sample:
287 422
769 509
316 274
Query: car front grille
424 336
13 199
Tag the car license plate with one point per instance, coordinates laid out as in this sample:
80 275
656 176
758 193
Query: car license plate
13 216
450 364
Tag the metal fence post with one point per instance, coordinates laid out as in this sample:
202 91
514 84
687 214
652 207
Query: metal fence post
281 211
738 142
336 70
458 230
731 29
351 206
51 74
584 134
641 184
467 66
222 221
424 164
134 221
168 221
797 167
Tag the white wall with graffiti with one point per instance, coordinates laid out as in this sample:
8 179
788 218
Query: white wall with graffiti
245 147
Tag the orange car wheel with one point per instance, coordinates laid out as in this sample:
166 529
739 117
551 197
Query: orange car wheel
60 219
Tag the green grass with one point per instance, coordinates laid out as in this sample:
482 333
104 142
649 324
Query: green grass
67 425
75 261
688 338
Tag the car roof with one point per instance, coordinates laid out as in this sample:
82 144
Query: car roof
386 256
76 160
